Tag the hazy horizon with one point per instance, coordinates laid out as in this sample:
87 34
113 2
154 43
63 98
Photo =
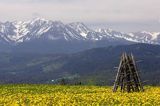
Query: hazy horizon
124 15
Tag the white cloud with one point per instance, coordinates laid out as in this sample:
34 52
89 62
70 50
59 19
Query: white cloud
88 11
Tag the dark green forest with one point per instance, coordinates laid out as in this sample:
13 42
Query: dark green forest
96 66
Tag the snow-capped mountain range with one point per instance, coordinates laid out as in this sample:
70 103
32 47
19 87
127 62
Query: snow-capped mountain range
20 31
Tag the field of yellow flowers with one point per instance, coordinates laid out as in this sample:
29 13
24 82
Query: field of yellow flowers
52 95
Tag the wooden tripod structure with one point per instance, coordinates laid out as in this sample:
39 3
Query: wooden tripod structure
127 77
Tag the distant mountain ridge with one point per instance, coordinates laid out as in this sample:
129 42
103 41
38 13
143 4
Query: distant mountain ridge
46 36
39 28
94 66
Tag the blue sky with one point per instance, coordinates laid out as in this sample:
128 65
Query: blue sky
122 15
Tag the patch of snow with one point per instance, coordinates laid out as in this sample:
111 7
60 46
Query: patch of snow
145 32
132 40
83 34
131 34
155 35
43 30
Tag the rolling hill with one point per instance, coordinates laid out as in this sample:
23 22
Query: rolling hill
93 66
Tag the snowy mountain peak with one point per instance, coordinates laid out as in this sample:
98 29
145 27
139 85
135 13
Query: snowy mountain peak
77 24
104 30
38 20
155 35
40 28
150 35
80 28
145 32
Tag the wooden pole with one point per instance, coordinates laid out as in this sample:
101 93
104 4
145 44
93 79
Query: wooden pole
116 83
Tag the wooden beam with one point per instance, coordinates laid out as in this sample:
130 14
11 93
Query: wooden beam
127 76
